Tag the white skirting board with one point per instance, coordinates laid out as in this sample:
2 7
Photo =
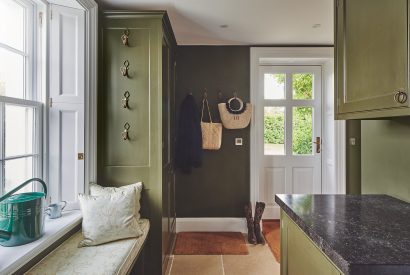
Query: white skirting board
211 225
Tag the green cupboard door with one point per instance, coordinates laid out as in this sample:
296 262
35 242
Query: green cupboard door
299 255
371 54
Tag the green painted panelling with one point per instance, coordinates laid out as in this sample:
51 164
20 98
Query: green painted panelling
386 157
353 157
221 186
135 151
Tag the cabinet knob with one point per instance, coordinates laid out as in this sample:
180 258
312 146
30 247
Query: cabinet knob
400 97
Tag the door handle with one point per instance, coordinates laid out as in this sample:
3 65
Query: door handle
318 144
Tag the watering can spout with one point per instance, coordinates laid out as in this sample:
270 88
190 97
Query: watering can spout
4 235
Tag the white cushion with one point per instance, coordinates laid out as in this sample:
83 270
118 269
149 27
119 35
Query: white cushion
108 218
98 190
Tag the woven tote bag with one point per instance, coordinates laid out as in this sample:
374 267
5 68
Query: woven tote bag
235 119
211 132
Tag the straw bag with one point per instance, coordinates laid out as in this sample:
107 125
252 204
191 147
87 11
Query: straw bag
211 132
235 118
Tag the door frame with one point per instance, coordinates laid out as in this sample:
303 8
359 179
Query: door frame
324 57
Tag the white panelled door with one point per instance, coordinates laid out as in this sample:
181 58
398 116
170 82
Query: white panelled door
289 135
66 104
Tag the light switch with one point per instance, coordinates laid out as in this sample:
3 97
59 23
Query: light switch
238 141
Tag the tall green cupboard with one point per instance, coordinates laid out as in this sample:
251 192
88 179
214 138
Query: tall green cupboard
136 133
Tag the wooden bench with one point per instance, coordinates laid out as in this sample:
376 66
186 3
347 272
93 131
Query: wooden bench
118 257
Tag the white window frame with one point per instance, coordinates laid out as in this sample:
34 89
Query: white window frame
31 93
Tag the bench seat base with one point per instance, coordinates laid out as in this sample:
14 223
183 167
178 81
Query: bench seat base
116 257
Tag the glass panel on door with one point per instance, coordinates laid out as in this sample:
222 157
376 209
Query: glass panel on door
274 86
274 130
302 130
302 86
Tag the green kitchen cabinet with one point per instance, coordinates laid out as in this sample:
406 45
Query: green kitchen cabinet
136 119
372 58
299 255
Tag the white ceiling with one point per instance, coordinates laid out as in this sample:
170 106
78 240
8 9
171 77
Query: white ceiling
250 22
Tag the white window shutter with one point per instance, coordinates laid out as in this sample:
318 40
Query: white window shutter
66 105
67 50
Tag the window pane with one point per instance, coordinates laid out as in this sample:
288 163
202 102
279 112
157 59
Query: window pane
19 130
17 171
274 86
302 85
274 132
12 24
11 74
302 131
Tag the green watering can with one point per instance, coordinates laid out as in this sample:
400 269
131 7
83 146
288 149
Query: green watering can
22 215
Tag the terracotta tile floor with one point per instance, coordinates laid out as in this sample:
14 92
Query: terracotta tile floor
260 261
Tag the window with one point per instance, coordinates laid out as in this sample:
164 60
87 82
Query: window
20 105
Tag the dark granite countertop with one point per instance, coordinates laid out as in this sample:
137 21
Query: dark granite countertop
361 234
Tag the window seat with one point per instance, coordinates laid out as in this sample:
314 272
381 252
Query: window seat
111 258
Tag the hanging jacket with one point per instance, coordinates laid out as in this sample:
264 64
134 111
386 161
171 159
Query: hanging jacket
189 136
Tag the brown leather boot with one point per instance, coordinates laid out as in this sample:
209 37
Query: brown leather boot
260 207
250 223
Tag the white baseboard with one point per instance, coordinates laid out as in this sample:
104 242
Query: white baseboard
211 225
271 212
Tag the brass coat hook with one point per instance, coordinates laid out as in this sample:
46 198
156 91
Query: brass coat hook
205 95
124 69
125 36
125 135
125 100
235 94
220 95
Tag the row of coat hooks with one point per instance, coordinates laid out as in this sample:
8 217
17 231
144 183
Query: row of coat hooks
220 94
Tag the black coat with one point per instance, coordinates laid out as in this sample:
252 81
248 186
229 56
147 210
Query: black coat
189 136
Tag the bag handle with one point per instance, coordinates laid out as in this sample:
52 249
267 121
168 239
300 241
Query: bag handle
207 106
24 184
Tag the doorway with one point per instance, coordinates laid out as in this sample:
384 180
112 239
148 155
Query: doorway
292 90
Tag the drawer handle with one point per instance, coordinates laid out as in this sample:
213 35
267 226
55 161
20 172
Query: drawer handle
400 97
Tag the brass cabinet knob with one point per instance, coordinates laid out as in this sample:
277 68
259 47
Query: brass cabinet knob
400 97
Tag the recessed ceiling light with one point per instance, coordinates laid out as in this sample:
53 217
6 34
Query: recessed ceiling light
315 26
224 26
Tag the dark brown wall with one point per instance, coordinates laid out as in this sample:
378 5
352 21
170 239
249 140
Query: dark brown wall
221 186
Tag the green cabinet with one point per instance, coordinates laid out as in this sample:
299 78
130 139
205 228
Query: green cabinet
147 154
371 52
299 255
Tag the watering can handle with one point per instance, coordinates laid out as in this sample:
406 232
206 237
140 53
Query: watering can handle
24 184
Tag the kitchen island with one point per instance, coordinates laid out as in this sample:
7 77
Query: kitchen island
344 234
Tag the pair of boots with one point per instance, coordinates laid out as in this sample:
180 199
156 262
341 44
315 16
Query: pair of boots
254 224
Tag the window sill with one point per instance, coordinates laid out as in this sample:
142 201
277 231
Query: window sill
13 258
